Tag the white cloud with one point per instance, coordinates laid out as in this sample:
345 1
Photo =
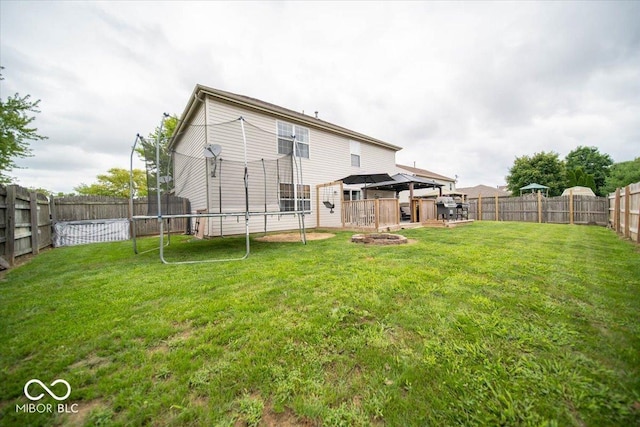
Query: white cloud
463 87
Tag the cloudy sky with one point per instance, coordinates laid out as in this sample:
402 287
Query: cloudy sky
463 87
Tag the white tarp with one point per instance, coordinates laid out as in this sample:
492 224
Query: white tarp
69 233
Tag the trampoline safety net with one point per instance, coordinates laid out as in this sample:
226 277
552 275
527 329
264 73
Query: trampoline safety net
222 181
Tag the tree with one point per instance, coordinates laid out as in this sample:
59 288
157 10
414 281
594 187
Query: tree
542 168
116 183
16 131
621 175
592 163
147 150
578 177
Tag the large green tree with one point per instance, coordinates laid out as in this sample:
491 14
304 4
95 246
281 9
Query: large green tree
622 174
578 177
116 183
592 163
16 131
147 150
541 168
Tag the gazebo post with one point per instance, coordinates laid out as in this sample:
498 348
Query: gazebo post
412 203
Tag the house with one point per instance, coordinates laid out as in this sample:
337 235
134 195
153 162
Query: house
484 191
449 183
324 152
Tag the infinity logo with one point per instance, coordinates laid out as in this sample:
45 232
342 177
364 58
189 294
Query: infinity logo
52 394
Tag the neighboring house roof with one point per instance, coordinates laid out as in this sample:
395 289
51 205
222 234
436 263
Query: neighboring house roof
484 191
272 110
425 173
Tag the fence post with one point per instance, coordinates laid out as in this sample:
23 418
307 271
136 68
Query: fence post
571 207
33 210
318 206
479 207
377 213
497 216
539 207
186 208
627 212
397 207
10 244
616 211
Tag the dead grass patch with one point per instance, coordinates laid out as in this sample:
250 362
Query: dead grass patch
293 237
93 362
81 417
286 418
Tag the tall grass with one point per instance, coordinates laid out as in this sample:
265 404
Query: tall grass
489 324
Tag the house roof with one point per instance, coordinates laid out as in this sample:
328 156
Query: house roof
272 110
425 173
484 191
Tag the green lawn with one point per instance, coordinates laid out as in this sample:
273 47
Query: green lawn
487 324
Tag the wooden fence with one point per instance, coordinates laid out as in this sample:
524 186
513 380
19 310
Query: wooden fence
371 214
27 218
572 209
25 223
624 211
87 208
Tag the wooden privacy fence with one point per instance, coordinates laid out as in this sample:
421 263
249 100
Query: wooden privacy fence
25 224
572 209
27 219
90 208
371 214
624 211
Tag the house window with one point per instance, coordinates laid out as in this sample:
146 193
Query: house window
288 197
355 153
351 195
286 132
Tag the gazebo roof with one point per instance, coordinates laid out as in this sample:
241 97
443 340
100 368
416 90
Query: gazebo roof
402 181
534 186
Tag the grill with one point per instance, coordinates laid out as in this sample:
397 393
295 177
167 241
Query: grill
446 207
462 210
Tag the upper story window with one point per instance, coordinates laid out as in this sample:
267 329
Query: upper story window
286 132
354 147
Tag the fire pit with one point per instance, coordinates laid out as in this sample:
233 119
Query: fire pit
379 239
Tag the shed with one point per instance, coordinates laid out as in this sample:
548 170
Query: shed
579 191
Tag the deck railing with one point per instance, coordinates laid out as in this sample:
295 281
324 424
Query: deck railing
375 214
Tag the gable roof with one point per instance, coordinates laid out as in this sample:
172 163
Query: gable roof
484 190
200 92
425 173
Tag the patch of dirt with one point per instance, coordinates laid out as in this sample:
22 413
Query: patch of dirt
164 346
81 417
92 363
287 418
294 237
